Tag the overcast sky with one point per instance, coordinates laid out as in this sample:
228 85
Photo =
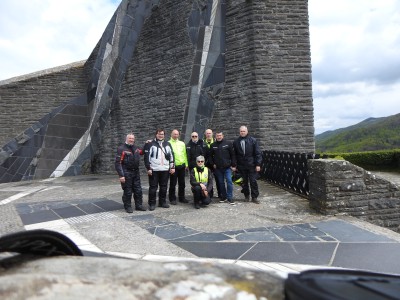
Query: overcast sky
355 49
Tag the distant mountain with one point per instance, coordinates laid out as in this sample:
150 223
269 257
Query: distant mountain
369 135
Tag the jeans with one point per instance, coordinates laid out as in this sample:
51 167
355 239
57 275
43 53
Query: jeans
222 175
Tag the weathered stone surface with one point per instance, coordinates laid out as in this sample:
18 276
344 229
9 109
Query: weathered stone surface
27 98
263 81
337 186
268 84
115 278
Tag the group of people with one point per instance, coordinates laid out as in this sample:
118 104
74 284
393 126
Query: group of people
203 158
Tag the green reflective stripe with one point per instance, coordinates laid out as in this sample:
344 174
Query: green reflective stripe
209 143
201 177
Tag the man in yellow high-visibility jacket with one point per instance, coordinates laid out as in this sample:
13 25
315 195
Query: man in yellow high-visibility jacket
201 180
181 164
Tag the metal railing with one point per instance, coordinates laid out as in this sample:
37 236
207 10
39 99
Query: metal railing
287 170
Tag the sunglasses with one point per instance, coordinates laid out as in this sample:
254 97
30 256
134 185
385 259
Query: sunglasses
200 161
194 135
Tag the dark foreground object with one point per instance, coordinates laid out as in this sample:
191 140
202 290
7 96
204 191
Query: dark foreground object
39 242
341 284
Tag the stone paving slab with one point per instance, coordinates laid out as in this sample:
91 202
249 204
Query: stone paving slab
282 229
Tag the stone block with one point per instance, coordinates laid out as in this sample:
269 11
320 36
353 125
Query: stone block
116 278
354 186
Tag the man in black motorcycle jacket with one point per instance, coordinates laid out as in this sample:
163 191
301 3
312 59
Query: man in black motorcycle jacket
127 166
249 159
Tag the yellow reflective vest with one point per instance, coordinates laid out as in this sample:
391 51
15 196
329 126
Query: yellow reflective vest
179 149
201 177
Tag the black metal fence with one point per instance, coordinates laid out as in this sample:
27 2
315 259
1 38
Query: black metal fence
287 169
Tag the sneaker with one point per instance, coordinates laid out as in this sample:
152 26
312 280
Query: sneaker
164 205
231 202
255 200
222 200
247 198
197 206
152 207
140 208
129 209
183 200
173 202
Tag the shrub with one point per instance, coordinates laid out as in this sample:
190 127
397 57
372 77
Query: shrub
384 160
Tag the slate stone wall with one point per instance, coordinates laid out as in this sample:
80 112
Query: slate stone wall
337 186
28 98
268 74
268 77
155 90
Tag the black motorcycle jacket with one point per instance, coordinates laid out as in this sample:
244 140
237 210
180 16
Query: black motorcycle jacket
127 159
252 156
222 155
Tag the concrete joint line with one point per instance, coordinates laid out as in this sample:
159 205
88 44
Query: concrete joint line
333 255
240 257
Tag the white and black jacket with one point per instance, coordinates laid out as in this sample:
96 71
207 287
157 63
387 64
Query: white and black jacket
158 156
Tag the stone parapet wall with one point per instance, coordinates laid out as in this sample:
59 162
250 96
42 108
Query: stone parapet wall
337 187
123 279
27 98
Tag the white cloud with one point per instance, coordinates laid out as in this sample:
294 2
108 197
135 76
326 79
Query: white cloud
355 61
355 46
41 34
338 105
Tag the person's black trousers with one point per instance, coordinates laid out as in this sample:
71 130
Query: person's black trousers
198 196
158 178
177 178
249 176
131 186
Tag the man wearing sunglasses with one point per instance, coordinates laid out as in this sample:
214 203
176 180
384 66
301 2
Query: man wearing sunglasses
194 148
201 182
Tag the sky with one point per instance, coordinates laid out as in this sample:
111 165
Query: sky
355 49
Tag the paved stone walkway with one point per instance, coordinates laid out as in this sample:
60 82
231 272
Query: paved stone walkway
281 233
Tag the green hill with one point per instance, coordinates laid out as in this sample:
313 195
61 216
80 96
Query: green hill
369 135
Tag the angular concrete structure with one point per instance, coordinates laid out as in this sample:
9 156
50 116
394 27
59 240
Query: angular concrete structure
163 63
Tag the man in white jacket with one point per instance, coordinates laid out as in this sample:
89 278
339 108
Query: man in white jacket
159 162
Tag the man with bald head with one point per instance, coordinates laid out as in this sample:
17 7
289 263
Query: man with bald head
127 167
181 164
249 159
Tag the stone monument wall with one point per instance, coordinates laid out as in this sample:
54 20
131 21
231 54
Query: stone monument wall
155 88
188 65
268 75
27 98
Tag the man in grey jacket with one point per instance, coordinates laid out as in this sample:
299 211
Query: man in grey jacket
159 162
